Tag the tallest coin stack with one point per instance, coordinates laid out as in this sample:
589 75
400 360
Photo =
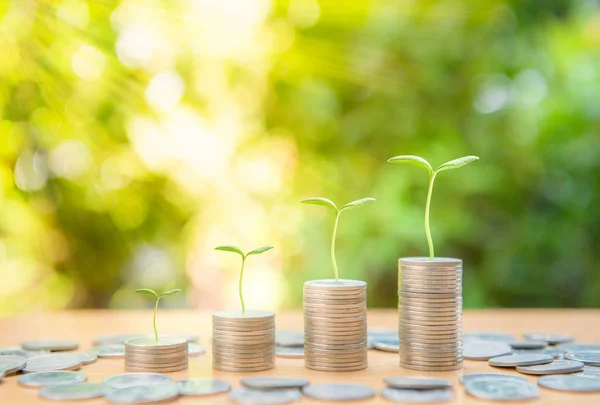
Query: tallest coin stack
430 313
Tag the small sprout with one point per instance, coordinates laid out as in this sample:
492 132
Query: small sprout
234 249
419 161
157 297
328 203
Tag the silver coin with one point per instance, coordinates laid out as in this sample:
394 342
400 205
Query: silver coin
514 360
417 396
427 262
247 396
338 391
11 364
194 349
556 353
579 347
329 284
590 371
142 394
267 383
202 386
551 338
113 350
52 345
435 367
115 339
527 344
289 352
88 358
17 351
249 316
556 367
484 350
589 358
387 345
493 336
501 389
489 376
569 383
135 379
73 391
151 343
51 378
53 362
417 383
190 337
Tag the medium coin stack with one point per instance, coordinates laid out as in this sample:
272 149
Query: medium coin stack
430 313
164 355
243 341
335 325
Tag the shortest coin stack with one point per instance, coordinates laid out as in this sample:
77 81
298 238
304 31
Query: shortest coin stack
164 355
243 341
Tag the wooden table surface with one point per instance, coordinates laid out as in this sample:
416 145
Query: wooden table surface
83 326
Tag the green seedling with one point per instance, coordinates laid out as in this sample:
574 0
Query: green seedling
157 297
328 203
237 250
419 161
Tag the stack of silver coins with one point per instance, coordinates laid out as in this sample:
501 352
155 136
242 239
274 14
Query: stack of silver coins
164 355
335 325
243 341
430 313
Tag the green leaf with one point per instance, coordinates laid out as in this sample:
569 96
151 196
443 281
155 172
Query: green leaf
259 250
456 163
413 160
170 292
321 201
230 248
147 291
357 203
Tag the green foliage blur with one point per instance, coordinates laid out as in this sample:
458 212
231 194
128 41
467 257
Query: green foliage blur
136 136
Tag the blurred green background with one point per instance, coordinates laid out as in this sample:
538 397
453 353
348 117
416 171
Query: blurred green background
138 135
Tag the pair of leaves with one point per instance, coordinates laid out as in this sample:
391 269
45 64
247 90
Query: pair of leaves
235 249
419 161
155 294
328 203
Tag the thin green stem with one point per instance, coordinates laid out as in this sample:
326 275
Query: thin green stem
427 208
240 285
335 269
155 310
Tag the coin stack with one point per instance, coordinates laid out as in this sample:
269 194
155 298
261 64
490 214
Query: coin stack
164 355
430 313
243 341
335 325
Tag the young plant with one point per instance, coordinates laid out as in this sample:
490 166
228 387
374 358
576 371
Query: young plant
419 161
157 297
328 203
237 250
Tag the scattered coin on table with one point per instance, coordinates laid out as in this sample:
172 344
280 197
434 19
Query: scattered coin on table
388 345
289 352
202 386
112 350
142 394
51 378
267 383
11 364
247 396
550 338
484 350
416 383
579 347
501 389
338 391
2 373
555 353
589 358
194 349
70 392
53 362
590 371
514 360
489 336
51 345
528 344
17 351
88 358
135 379
190 337
115 339
289 338
417 395
489 376
556 367
569 383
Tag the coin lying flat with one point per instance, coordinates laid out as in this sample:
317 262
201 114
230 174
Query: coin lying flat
417 396
489 336
266 383
501 390
556 367
12 364
2 373
52 345
51 378
289 338
590 371
484 350
247 396
17 351
416 383
88 358
115 339
390 345
550 338
589 358
53 362
112 350
556 353
527 344
489 376
338 391
73 391
569 383
289 352
514 360
579 347
135 379
202 386
143 394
